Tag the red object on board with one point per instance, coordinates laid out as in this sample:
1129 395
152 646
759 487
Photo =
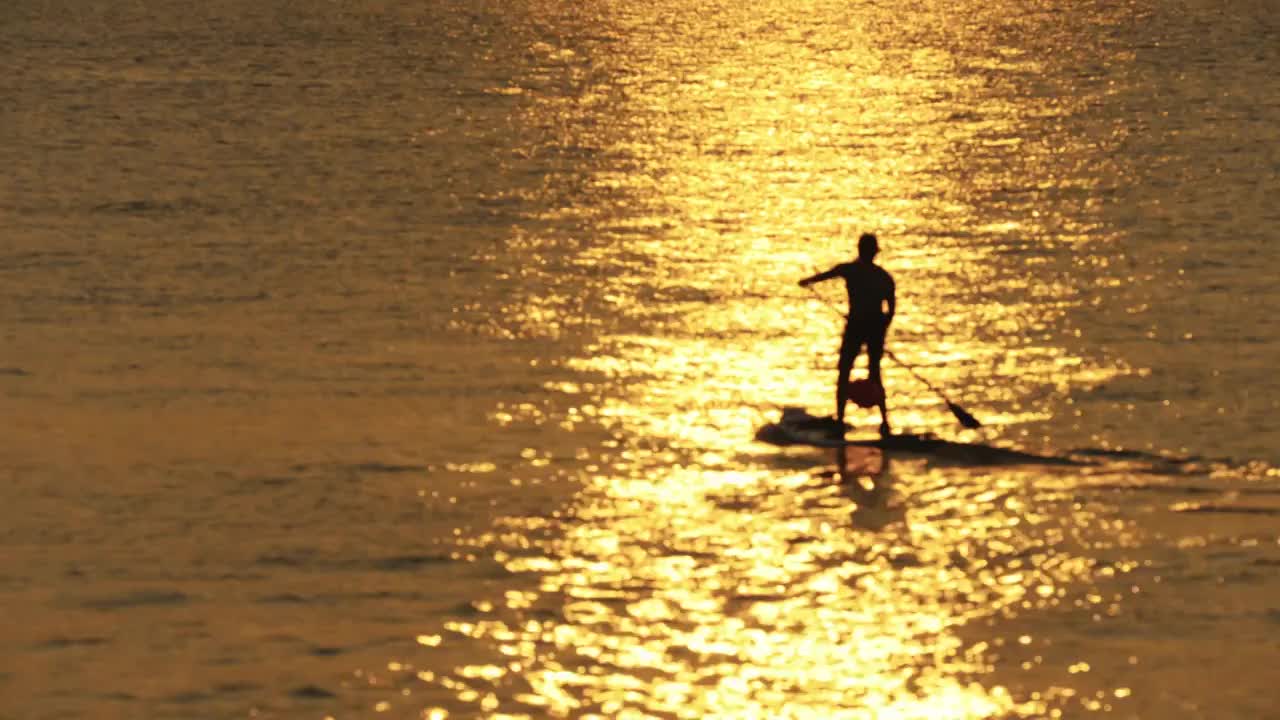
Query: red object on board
865 393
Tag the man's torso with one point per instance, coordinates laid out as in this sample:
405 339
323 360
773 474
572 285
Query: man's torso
870 287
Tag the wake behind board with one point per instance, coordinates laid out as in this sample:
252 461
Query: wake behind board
798 428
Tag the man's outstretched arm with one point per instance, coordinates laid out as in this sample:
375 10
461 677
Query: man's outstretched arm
819 277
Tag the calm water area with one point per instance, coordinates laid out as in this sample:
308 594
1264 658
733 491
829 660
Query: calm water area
371 359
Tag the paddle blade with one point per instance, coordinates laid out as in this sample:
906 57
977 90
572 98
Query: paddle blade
963 416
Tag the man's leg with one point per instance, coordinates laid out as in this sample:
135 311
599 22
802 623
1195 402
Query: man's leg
849 347
875 350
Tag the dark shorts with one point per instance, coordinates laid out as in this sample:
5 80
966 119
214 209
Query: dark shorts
858 335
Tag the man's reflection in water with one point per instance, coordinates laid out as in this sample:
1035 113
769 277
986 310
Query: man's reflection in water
864 475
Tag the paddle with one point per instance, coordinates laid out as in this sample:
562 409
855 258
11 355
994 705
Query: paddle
963 416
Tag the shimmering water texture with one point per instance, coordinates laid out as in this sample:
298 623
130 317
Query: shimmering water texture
405 359
846 583
754 594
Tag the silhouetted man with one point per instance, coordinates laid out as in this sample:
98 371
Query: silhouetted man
872 301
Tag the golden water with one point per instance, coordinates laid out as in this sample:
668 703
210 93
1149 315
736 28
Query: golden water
384 360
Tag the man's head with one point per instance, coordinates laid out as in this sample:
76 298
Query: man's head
867 246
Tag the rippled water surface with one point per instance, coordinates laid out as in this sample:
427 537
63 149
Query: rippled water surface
404 359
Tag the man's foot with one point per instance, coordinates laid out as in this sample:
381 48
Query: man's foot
885 432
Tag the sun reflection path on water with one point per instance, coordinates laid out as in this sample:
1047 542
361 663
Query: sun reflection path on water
694 576
704 592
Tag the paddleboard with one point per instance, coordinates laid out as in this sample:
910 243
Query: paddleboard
798 427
